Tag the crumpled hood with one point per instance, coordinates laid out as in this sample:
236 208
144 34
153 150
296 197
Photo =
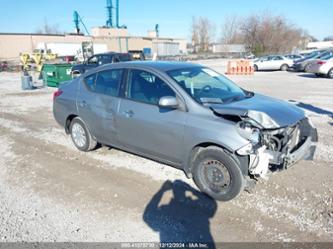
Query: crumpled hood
269 112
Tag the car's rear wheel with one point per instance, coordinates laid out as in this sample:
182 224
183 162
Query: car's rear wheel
81 136
330 74
255 67
217 174
284 67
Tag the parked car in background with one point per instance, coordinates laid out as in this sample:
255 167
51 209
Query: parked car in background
293 56
323 67
98 60
302 65
187 116
323 57
273 62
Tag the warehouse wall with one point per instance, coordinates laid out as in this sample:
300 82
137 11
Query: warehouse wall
11 45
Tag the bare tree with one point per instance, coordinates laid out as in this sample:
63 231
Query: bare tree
202 33
328 38
195 33
47 28
230 31
262 33
267 33
250 29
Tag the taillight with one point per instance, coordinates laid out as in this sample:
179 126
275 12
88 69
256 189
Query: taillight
57 94
321 62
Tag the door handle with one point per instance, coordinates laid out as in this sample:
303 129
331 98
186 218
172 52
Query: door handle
129 113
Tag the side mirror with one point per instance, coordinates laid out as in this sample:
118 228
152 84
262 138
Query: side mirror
168 102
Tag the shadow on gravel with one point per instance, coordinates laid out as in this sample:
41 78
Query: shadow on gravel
313 108
185 218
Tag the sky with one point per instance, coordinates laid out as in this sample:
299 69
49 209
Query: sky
173 16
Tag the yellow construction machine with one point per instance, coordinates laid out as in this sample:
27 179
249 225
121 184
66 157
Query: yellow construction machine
36 59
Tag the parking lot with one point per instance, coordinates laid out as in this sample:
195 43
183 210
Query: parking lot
49 191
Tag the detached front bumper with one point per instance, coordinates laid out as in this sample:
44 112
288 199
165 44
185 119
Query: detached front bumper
305 152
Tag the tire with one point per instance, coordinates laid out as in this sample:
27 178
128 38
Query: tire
213 162
307 68
76 74
255 67
284 67
330 73
81 136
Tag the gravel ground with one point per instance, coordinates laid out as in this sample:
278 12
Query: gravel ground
49 191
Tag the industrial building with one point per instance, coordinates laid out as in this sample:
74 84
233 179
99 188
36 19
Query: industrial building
110 37
105 39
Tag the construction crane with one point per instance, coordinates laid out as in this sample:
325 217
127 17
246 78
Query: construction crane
109 8
77 20
109 20
157 30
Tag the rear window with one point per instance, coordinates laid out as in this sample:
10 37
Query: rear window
124 57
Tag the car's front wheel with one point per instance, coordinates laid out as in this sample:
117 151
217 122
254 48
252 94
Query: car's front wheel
217 174
81 136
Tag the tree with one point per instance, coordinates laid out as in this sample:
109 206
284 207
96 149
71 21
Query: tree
328 38
46 28
202 34
194 33
267 33
262 33
230 32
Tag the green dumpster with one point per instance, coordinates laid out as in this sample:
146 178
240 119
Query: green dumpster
55 74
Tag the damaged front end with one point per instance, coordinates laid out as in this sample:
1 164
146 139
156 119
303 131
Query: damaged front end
273 149
274 143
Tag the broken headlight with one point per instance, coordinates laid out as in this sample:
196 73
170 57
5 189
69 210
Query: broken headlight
263 119
249 131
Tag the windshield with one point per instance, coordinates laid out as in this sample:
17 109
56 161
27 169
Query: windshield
207 86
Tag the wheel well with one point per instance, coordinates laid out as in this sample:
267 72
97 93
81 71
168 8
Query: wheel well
243 162
194 151
68 122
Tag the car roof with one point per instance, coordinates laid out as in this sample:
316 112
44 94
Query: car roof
109 53
157 65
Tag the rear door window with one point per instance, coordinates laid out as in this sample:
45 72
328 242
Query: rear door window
104 59
124 57
105 82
